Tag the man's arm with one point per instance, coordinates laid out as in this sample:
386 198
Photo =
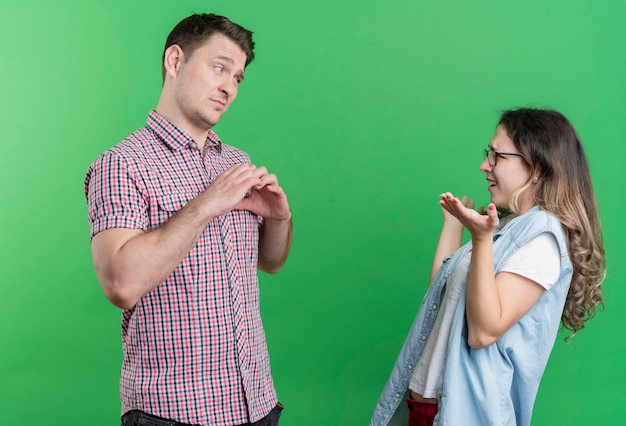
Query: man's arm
130 263
274 244
268 200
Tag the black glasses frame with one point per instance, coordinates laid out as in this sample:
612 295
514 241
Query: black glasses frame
492 155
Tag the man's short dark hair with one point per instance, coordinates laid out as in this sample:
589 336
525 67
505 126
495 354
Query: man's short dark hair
193 31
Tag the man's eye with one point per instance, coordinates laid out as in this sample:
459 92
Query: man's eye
238 80
218 68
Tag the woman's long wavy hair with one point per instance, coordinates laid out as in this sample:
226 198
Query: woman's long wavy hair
561 183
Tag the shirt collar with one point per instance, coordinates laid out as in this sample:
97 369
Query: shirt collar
175 138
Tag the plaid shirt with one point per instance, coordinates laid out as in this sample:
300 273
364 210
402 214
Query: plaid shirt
194 347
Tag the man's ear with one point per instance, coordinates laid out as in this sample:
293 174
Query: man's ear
173 60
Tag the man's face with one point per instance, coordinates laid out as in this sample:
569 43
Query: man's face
208 81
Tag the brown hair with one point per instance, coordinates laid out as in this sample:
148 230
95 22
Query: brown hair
552 149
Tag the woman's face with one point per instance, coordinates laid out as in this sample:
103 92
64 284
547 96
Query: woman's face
509 173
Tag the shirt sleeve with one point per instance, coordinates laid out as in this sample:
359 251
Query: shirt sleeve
538 260
113 197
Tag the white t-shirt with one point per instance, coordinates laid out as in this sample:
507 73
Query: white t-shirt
538 260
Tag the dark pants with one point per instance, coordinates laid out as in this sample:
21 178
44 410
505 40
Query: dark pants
139 418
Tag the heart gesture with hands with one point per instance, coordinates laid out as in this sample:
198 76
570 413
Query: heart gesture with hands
479 225
266 198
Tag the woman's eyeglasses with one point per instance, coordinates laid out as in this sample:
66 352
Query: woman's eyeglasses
492 156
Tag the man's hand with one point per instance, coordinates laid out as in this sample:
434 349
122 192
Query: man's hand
267 199
229 188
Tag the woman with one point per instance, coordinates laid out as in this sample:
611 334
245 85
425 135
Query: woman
482 337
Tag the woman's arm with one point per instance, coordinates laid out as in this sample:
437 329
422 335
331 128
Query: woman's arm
493 304
450 238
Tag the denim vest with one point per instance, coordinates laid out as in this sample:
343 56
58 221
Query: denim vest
496 385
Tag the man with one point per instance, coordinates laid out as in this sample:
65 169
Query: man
180 222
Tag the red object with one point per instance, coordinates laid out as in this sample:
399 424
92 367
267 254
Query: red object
421 413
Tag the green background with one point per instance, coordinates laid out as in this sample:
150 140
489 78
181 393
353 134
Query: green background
366 111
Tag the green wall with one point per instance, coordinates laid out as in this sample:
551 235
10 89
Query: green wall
366 111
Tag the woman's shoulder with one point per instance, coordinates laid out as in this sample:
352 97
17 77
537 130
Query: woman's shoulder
535 221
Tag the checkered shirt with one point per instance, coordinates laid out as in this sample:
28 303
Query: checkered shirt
194 347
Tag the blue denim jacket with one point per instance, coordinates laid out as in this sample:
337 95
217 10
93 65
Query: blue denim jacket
496 385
